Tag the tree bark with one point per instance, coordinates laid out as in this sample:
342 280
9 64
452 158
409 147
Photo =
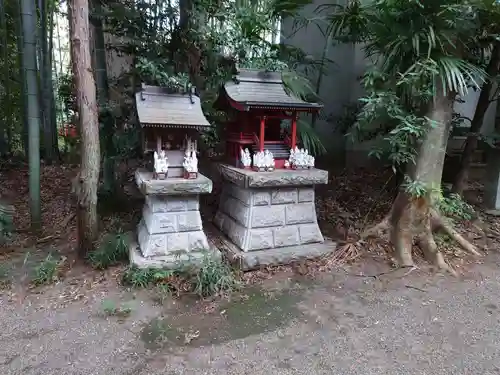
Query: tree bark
4 126
101 75
24 106
483 104
414 218
28 15
85 185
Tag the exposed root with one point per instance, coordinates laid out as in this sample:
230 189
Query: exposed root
428 245
376 230
413 220
439 223
344 254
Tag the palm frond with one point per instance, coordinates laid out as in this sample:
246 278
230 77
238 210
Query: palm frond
299 86
309 138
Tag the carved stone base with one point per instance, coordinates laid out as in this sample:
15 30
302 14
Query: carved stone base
171 261
171 226
268 218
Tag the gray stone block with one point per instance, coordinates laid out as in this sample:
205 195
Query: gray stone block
267 216
243 195
151 244
281 255
162 222
286 236
177 242
161 244
300 213
235 209
278 178
236 232
306 194
281 196
198 241
189 221
165 203
260 197
259 239
171 261
310 233
171 186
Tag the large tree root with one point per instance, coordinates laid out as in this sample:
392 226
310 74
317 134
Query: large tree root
413 221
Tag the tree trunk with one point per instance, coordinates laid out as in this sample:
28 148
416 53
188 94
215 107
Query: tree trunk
46 44
86 182
50 70
101 75
4 126
23 89
413 216
483 104
28 15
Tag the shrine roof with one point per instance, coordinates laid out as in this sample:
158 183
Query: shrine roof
156 107
260 89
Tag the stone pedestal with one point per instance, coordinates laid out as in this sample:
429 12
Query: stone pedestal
265 213
171 229
492 182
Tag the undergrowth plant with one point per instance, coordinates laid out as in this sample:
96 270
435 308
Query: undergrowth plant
4 274
6 223
46 271
454 207
110 308
212 277
112 250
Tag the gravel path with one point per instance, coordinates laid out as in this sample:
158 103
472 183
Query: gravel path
339 324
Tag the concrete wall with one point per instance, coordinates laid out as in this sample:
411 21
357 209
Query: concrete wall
341 86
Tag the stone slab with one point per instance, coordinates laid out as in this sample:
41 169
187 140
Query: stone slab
278 178
165 203
492 180
168 261
273 257
172 243
256 239
171 186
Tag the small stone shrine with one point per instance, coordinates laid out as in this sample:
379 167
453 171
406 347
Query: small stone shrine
171 229
267 206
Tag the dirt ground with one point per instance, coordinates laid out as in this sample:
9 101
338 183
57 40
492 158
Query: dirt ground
314 318
342 322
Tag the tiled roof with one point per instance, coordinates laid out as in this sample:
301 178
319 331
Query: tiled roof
157 107
253 88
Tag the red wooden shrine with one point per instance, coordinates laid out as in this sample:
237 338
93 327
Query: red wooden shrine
258 103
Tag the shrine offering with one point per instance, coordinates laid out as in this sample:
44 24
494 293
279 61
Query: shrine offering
267 206
171 229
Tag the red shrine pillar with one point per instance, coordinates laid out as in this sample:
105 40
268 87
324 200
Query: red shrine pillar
294 130
262 130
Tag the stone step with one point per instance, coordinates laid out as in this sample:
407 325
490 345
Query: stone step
279 150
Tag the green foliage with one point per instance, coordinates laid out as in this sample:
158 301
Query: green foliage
201 45
110 308
46 271
415 188
214 277
416 47
65 93
161 74
112 250
4 274
6 222
143 277
455 207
